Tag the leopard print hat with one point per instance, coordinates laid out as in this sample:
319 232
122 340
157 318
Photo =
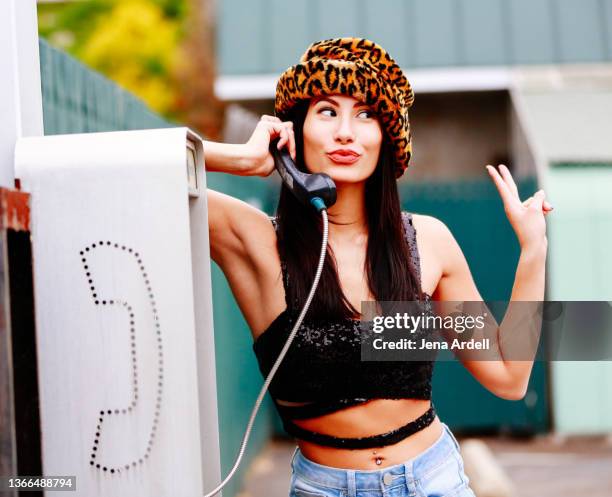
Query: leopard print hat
359 68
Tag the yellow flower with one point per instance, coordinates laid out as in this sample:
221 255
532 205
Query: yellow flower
134 44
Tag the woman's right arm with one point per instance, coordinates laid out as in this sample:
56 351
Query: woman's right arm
242 238
231 221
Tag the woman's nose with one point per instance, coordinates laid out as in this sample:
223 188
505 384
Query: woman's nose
344 130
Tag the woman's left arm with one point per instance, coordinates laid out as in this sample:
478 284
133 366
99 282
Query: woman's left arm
505 378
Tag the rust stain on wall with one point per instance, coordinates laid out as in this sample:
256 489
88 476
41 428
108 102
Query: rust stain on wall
14 210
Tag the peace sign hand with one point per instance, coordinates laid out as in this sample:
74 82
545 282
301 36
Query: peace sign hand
527 217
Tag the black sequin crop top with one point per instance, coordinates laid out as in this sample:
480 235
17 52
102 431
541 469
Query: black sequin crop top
322 371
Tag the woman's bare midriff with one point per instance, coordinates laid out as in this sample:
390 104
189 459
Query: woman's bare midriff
372 418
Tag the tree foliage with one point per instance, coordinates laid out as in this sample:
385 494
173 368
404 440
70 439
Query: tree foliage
134 42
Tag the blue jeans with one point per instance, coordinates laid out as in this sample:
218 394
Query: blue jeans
437 471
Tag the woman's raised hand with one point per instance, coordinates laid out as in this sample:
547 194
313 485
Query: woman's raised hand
527 217
260 161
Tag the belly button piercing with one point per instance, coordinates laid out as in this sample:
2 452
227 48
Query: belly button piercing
378 461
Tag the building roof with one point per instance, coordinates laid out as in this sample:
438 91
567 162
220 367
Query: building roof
259 37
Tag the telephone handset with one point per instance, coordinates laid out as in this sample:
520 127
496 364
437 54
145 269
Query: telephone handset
306 187
318 190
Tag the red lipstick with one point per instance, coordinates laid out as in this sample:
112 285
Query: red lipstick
344 156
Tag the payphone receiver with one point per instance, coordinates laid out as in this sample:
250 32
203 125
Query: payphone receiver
306 187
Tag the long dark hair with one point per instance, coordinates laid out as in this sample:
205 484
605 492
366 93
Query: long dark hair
391 274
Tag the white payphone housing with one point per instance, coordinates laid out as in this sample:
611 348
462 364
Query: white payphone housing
123 310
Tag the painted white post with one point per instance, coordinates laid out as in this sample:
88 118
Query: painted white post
20 91
20 115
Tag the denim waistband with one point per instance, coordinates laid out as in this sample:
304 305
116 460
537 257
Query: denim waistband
353 480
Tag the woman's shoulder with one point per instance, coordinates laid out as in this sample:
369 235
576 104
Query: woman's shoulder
435 242
426 224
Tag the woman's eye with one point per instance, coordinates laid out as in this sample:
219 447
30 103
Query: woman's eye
327 109
330 112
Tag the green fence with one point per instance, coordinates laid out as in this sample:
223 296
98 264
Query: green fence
79 100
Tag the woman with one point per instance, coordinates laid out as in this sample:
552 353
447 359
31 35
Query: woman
360 427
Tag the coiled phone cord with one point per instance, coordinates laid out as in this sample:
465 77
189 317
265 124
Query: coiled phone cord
281 355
